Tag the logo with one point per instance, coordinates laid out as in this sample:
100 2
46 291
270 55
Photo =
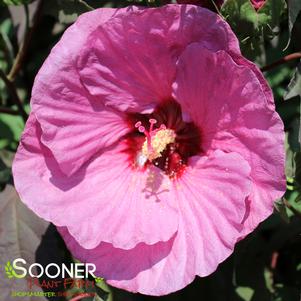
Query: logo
70 277
19 269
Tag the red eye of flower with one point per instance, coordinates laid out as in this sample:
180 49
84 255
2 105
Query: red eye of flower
169 142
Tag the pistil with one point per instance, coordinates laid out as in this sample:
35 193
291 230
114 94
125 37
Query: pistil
156 140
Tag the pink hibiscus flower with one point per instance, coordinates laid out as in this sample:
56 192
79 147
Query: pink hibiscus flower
152 144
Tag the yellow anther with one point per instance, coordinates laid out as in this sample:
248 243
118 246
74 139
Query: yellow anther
159 140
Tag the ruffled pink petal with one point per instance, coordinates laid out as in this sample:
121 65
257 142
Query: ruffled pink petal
235 112
130 61
240 60
105 200
75 125
211 197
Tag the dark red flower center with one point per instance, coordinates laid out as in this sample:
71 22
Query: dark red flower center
163 139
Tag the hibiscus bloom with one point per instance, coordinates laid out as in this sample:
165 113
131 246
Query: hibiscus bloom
152 144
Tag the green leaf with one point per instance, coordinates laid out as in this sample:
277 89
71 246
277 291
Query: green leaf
294 8
268 277
294 92
290 165
246 293
6 48
11 128
294 87
294 197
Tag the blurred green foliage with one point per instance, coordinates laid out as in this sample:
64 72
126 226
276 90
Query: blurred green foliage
14 2
267 264
252 26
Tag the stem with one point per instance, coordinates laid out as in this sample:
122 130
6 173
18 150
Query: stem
8 111
290 57
26 42
86 5
216 7
79 297
27 18
15 97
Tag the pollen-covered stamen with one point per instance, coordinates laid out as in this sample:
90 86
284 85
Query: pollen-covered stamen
159 141
156 140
